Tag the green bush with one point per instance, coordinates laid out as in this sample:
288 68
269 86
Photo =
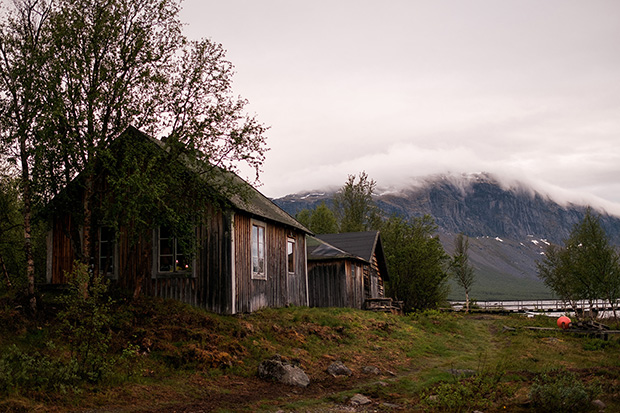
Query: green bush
479 392
85 322
20 370
561 391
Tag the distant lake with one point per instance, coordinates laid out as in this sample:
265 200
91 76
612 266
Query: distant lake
551 308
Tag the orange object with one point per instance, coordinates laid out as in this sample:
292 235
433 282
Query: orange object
563 322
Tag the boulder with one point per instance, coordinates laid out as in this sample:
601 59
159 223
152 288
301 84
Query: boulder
339 369
598 404
281 371
371 370
359 400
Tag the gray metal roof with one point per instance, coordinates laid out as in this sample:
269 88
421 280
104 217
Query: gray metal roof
358 244
361 244
321 250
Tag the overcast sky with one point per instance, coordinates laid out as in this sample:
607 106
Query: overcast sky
527 89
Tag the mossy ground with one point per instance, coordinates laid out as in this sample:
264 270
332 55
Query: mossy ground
192 360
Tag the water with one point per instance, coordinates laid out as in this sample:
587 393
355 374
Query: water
552 308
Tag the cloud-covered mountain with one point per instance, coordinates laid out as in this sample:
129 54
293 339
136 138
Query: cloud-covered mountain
509 225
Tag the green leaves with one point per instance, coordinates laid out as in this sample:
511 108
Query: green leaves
586 268
321 220
416 261
354 206
460 268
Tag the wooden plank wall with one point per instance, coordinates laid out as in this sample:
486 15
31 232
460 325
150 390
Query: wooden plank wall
327 284
211 286
356 290
62 255
214 265
297 281
279 289
335 284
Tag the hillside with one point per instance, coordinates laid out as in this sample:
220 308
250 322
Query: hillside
165 356
509 228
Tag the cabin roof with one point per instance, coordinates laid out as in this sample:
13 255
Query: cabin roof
254 202
320 250
361 244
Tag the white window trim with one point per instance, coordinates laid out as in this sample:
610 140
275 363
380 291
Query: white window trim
255 275
291 240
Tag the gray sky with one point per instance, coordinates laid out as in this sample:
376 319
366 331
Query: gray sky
526 89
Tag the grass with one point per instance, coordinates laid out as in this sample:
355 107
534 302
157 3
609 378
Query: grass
431 361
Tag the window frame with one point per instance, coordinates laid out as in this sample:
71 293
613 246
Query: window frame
291 255
157 255
258 275
114 250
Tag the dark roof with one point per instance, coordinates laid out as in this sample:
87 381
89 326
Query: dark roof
259 205
361 244
320 250
253 202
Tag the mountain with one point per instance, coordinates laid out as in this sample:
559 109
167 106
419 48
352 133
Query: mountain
509 226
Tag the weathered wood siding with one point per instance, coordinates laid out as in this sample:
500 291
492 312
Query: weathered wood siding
336 283
223 257
61 257
281 288
376 279
209 286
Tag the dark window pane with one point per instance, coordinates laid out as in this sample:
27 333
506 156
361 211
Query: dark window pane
166 246
165 264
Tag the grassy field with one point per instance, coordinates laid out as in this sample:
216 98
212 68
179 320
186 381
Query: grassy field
163 356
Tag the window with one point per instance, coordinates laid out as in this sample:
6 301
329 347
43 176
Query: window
258 252
290 250
107 245
172 256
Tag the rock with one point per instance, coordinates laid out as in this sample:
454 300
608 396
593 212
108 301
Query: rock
462 372
359 400
339 369
599 404
371 370
283 372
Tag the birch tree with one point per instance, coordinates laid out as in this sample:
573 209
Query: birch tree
117 63
24 52
587 267
460 268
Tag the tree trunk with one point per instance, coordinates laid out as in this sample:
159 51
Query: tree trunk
87 225
5 272
466 301
28 229
87 228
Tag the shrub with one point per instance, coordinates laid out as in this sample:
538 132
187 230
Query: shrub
479 392
561 391
86 320
20 370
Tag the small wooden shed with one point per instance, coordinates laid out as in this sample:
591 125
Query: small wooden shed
344 270
249 255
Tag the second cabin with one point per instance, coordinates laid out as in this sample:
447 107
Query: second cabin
346 270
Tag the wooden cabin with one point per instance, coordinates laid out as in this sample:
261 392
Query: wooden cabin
345 270
249 254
